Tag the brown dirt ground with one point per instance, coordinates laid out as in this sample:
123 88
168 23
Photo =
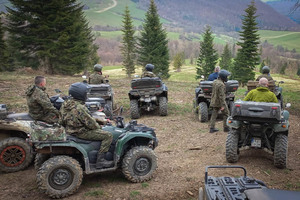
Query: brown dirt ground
185 148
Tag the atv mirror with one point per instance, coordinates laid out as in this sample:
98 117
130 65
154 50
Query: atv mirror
288 105
57 90
84 76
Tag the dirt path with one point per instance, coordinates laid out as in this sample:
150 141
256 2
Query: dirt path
185 148
115 3
279 36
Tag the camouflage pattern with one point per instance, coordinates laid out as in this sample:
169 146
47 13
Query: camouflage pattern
218 97
218 100
78 122
267 76
45 132
261 94
96 78
40 107
148 74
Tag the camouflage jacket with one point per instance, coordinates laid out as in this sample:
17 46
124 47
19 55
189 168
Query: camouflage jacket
39 103
148 74
265 76
96 78
218 98
261 94
76 118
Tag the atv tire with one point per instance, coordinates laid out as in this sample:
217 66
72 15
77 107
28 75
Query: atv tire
40 159
15 154
163 106
134 109
232 151
203 112
280 151
59 176
139 164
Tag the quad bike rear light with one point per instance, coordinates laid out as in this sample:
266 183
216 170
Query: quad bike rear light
274 108
237 105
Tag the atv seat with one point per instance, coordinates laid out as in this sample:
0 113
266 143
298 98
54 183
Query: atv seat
252 85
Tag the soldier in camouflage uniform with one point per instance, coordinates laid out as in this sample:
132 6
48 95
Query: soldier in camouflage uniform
39 104
218 101
148 72
78 122
265 74
97 77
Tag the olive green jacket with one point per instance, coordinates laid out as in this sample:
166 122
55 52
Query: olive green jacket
265 76
261 94
148 74
96 78
218 98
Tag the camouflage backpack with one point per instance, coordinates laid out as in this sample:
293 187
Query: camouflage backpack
41 131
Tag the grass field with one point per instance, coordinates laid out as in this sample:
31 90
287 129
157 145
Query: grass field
287 39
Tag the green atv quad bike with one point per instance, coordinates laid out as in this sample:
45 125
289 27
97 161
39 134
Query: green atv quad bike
62 159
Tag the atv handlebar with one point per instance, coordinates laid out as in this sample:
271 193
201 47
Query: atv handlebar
218 166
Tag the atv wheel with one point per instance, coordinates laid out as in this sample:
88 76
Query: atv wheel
40 159
59 176
134 109
109 110
232 151
203 112
163 106
139 163
15 154
280 151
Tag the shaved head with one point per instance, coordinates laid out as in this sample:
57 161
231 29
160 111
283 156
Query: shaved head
263 82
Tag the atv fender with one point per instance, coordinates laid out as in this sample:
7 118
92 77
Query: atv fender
127 139
233 123
282 127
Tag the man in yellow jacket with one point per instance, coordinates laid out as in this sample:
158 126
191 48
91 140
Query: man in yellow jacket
261 93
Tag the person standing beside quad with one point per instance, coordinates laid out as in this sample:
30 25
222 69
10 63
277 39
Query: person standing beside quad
77 120
261 93
218 101
148 71
39 104
265 74
97 77
214 75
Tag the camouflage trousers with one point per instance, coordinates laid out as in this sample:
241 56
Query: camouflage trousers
98 134
50 118
214 116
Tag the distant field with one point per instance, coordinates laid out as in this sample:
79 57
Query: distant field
113 17
287 39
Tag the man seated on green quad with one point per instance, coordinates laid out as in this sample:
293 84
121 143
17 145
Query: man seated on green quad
77 120
261 93
39 104
148 71
97 77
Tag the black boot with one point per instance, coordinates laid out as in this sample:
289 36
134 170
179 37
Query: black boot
226 129
102 163
212 130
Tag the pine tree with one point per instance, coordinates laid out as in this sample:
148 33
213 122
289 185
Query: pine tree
128 43
178 61
226 62
53 35
3 49
247 56
208 56
261 66
153 43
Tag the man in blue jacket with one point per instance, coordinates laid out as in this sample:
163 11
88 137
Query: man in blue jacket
214 75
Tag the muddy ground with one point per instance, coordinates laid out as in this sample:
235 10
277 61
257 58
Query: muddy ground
185 148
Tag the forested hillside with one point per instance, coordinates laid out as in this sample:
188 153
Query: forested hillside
287 8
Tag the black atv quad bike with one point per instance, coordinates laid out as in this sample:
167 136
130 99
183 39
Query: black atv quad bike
240 188
148 94
203 95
